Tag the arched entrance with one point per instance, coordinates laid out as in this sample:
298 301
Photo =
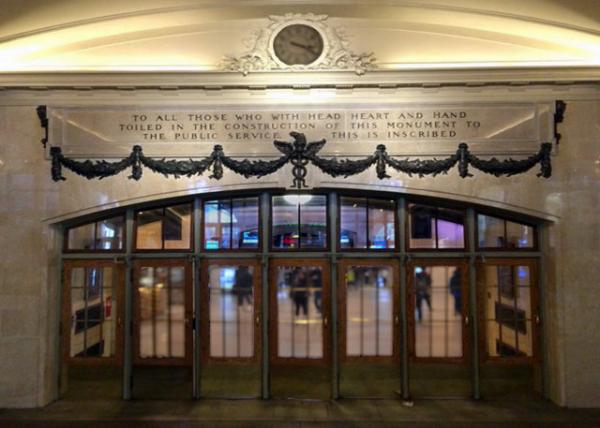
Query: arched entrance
319 295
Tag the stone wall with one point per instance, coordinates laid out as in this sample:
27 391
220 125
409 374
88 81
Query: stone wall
32 203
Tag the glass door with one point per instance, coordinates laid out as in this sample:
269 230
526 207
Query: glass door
369 328
438 328
231 328
92 322
299 328
162 329
509 333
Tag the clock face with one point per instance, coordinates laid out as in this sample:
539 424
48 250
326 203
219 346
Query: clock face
298 44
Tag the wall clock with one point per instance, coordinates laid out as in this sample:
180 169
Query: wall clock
298 44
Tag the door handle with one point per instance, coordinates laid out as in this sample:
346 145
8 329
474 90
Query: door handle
257 320
325 321
396 319
467 320
537 319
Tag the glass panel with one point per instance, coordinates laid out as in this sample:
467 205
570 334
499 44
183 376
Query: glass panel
299 318
353 222
369 311
285 233
245 223
519 235
313 221
438 311
450 229
146 324
161 319
109 234
81 237
382 231
162 312
178 227
508 310
421 222
231 311
149 229
217 225
93 312
490 231
177 276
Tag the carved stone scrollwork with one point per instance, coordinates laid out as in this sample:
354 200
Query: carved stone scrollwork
336 55
300 153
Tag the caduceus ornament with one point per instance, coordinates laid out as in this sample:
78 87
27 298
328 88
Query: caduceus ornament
300 153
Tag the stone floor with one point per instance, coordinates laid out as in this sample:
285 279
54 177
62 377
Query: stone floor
298 413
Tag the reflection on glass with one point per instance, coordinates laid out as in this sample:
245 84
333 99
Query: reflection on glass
299 316
313 222
499 233
162 312
109 234
231 311
369 309
450 229
438 304
508 311
490 231
217 224
432 227
93 309
244 223
353 222
164 228
381 224
299 221
149 229
519 235
421 222
177 226
81 238
285 223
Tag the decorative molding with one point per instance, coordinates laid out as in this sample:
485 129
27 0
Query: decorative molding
336 53
585 81
559 116
300 153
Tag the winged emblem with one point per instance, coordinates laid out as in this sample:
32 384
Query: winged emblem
299 147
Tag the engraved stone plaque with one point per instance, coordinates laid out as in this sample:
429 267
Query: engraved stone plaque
249 130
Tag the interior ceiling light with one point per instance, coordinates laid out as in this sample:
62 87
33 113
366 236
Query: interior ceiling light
297 199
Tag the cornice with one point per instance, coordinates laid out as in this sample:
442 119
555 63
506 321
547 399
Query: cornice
301 80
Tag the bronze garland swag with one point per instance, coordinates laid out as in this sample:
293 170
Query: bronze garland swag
299 153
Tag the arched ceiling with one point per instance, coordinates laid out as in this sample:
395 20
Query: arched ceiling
175 35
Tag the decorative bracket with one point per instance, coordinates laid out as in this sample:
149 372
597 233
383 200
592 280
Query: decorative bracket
559 115
300 153
42 113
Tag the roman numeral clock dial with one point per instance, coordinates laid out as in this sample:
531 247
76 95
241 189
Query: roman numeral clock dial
298 44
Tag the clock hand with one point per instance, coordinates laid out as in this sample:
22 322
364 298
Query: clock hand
305 47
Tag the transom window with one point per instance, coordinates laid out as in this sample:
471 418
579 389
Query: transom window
166 228
231 224
299 222
102 235
498 233
435 228
367 223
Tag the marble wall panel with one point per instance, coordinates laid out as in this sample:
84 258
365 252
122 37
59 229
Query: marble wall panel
31 201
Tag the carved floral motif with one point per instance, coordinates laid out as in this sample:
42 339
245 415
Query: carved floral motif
336 55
